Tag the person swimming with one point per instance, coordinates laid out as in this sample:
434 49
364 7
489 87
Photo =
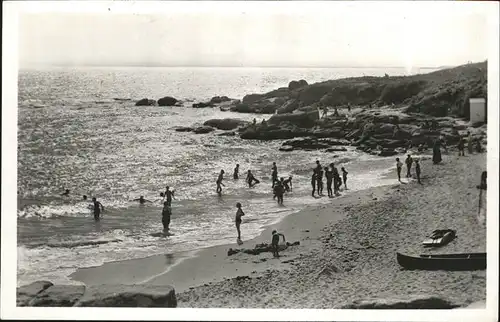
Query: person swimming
251 179
275 243
142 200
236 172
98 207
219 182
65 193
237 220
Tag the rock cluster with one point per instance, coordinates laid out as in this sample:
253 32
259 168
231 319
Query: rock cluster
260 248
45 294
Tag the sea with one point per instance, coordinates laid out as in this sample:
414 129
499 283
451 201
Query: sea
79 129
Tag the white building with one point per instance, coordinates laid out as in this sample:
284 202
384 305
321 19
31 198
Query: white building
477 110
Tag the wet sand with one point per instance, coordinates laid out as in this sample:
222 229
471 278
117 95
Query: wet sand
347 250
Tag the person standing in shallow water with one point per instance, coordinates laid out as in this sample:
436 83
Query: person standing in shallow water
239 214
417 170
169 194
219 182
274 174
344 176
236 172
329 180
287 184
319 181
409 162
399 166
251 179
313 182
97 209
165 216
279 191
436 152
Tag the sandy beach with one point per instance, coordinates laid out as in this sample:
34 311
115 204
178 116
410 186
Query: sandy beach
347 251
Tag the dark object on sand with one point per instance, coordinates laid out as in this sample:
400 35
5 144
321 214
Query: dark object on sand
436 152
440 237
261 248
447 262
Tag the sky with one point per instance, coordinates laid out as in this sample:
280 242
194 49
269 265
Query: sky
288 35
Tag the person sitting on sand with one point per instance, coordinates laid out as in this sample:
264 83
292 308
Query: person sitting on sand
409 163
165 216
169 194
97 209
251 179
65 193
461 147
219 182
236 172
239 214
344 176
417 170
313 182
329 180
399 166
275 243
287 184
274 174
319 181
142 200
279 190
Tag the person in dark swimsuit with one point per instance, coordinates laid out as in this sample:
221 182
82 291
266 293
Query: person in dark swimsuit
461 147
417 170
251 179
287 184
275 243
329 180
219 182
399 166
336 179
344 176
165 216
313 182
236 172
142 200
97 209
169 194
274 174
319 181
239 214
65 193
279 190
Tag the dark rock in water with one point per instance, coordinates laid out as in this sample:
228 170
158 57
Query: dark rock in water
145 102
128 296
201 105
58 295
252 98
225 124
421 302
184 129
312 143
286 148
219 99
27 292
203 129
167 101
337 149
232 133
387 153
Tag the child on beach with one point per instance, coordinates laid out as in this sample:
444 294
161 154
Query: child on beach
239 214
399 166
219 182
275 241
344 176
409 162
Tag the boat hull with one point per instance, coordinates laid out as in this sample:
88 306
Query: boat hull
447 262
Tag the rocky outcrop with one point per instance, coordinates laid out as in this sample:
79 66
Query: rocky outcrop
202 105
203 129
289 106
293 85
311 143
184 129
145 102
219 99
300 119
45 294
260 248
167 101
225 124
421 302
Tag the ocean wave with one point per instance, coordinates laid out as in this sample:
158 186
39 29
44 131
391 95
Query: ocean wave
73 244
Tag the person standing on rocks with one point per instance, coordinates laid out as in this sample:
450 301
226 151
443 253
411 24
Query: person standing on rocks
399 166
319 181
251 179
313 182
274 174
275 243
461 147
417 170
409 162
236 172
239 214
98 207
219 182
344 177
329 180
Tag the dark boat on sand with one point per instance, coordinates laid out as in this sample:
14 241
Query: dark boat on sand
447 262
439 238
